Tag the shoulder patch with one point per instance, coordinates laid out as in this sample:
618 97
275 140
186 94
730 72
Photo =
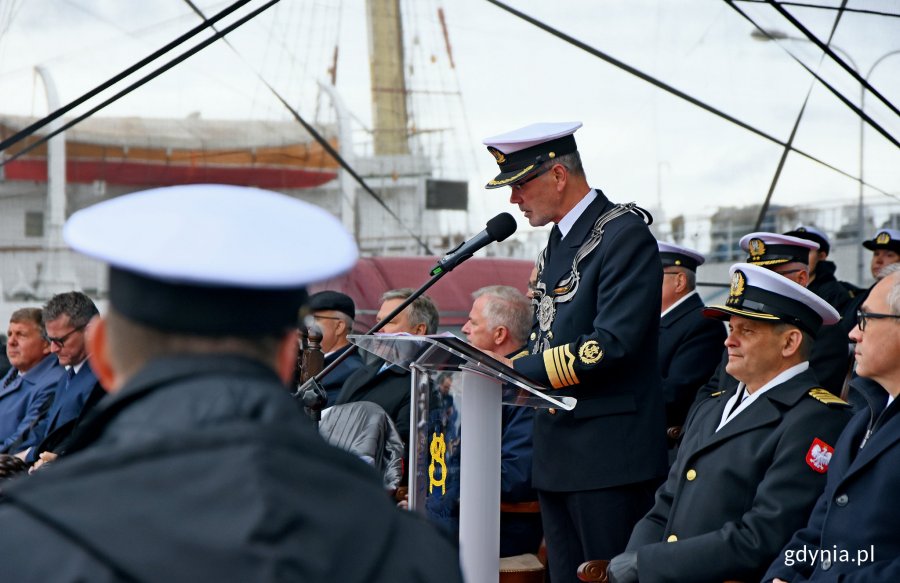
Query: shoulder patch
717 394
823 396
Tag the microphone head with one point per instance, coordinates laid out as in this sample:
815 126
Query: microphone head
501 226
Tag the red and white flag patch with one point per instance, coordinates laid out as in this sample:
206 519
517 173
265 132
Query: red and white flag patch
819 455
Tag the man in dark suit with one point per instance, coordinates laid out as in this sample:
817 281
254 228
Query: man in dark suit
852 532
67 316
26 390
689 344
334 313
595 337
752 461
379 381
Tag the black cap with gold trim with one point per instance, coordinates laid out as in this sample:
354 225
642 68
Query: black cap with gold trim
758 293
885 239
673 255
520 153
812 234
768 249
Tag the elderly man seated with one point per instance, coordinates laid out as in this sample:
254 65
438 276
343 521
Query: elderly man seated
852 533
753 460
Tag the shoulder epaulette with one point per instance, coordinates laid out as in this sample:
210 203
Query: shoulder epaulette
717 394
824 396
520 354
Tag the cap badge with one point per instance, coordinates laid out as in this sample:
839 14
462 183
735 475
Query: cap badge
819 455
499 156
590 352
737 288
883 238
757 248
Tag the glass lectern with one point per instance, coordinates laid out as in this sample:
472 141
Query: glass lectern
457 390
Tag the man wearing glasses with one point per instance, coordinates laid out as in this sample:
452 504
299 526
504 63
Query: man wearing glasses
852 532
67 317
334 312
594 337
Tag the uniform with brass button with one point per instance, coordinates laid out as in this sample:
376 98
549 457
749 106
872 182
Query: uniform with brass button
595 337
745 478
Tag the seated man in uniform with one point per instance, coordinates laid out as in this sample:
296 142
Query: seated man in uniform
822 281
852 532
789 257
333 313
499 323
381 383
689 344
200 466
752 462
885 248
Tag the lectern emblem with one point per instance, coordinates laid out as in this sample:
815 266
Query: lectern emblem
438 451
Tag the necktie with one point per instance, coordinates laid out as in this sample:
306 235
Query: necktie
555 238
13 375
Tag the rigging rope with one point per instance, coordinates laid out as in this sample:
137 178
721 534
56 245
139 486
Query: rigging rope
25 132
765 206
319 138
668 88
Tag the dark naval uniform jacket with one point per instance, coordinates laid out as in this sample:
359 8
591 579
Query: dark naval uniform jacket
203 468
826 286
689 349
733 497
389 388
857 514
603 352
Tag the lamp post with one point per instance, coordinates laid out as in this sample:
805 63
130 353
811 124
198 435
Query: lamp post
860 214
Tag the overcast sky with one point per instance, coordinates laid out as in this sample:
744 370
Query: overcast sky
638 142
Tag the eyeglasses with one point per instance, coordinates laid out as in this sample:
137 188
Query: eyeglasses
520 184
61 341
862 317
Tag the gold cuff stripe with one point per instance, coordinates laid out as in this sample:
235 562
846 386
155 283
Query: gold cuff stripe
560 365
550 366
521 173
570 364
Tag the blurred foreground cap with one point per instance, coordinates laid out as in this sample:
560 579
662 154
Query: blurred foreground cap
211 259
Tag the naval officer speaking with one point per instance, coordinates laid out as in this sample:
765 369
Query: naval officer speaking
594 337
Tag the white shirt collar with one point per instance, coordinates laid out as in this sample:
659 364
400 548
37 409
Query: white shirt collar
676 304
784 376
565 224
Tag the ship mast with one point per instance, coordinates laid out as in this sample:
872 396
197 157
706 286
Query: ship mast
391 120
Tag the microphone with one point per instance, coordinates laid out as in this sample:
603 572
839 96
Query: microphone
497 229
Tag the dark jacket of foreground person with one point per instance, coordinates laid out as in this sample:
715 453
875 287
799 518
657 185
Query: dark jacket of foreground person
202 468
